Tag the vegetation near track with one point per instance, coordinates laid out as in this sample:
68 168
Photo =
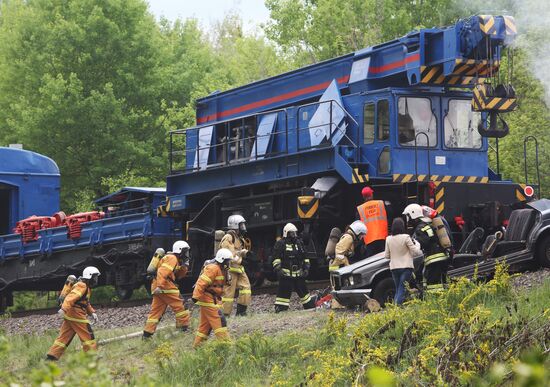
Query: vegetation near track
472 334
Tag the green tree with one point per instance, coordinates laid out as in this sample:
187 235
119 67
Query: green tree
315 30
80 81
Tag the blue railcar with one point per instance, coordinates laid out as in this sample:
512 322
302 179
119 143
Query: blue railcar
29 185
409 117
120 245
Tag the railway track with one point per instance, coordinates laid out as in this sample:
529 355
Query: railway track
267 289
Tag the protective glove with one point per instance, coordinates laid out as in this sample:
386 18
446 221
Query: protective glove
95 320
194 300
60 313
305 272
157 290
242 253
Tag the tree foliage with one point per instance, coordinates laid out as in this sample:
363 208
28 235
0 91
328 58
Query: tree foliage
97 84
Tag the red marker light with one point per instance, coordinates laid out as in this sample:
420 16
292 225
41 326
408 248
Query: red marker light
528 191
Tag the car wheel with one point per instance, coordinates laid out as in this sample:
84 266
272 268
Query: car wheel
543 252
384 291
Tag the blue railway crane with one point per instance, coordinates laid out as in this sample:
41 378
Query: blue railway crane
410 117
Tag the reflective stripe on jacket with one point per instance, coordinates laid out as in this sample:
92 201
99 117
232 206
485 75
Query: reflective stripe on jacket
373 214
209 286
77 305
235 244
167 273
345 246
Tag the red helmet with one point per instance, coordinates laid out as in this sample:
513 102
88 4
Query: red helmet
367 192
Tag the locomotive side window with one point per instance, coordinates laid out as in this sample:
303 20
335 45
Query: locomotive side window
368 124
461 125
415 116
383 120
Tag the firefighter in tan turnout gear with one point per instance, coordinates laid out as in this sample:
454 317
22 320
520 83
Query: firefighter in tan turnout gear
235 241
345 249
75 310
207 295
171 267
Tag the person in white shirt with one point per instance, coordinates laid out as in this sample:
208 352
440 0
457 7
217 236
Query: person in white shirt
400 250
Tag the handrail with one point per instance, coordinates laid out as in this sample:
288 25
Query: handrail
525 141
237 142
416 154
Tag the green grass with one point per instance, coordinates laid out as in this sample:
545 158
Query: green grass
26 300
457 338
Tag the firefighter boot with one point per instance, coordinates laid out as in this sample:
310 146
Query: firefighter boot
280 308
51 358
146 335
241 310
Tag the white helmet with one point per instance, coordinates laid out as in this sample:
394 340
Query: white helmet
234 222
289 227
413 211
223 255
89 272
358 228
179 246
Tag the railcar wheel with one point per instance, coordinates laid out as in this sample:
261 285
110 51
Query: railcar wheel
124 293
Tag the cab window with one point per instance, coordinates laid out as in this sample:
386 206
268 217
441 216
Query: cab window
415 116
383 120
368 124
461 125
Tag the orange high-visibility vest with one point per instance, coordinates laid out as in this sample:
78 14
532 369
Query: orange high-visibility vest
373 214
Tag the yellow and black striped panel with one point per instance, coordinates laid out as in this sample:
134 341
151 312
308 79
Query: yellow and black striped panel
434 75
481 101
405 178
357 177
162 211
472 67
487 24
520 193
440 199
307 206
510 23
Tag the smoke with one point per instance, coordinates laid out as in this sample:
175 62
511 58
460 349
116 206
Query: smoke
533 23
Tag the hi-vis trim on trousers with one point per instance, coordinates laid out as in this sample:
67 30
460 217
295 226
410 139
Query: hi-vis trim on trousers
158 307
69 329
210 319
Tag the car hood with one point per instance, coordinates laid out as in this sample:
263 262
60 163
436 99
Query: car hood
364 262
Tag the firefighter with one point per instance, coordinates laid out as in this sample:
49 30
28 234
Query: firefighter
207 295
345 249
436 258
373 214
69 282
292 268
235 241
171 267
74 311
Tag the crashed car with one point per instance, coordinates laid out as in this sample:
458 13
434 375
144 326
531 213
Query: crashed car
525 241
